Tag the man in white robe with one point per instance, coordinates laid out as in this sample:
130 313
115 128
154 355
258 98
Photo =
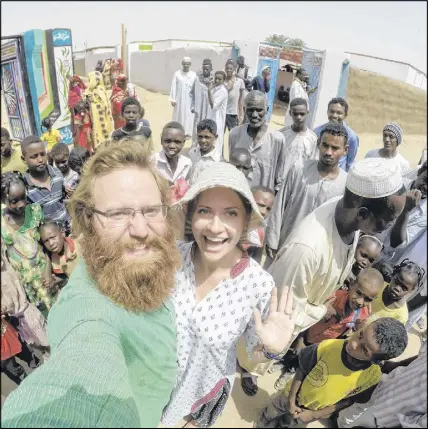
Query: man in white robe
297 90
179 96
199 103
308 184
300 141
217 97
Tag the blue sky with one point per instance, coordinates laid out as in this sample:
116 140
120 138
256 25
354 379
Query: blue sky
393 30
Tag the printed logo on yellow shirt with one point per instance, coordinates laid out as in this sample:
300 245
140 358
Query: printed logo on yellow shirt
319 374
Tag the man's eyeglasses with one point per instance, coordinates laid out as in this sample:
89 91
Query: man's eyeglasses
122 217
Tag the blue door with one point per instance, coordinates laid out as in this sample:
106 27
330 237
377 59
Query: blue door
343 82
274 66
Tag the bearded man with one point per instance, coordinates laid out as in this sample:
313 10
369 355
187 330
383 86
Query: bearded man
112 331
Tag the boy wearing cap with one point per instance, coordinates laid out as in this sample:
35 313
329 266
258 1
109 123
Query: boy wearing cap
392 138
318 255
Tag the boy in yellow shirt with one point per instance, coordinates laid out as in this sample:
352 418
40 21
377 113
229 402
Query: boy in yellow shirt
392 301
332 372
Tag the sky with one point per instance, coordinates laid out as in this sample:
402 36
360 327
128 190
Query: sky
394 30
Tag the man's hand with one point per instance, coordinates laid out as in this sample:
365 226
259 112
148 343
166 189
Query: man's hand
306 416
413 198
173 103
293 408
331 311
271 253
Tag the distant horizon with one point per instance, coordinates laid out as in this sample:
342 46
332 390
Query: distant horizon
395 31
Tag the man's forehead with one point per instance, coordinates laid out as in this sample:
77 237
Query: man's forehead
257 101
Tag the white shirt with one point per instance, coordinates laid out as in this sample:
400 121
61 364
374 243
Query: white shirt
208 331
398 160
315 262
301 145
184 166
233 96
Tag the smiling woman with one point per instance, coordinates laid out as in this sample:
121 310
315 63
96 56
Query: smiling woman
216 290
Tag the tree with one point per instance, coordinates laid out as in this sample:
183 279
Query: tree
280 39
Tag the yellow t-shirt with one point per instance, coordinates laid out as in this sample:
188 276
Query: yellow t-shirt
379 309
330 380
14 163
51 138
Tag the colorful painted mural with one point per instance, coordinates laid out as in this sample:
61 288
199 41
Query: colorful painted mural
47 62
17 100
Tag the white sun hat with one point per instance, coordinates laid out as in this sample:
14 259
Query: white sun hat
224 175
374 178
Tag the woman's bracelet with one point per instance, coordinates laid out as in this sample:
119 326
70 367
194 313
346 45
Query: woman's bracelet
270 356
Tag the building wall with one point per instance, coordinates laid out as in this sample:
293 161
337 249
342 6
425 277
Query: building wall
399 71
93 56
416 78
153 70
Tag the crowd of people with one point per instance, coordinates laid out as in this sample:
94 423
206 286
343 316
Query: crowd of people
158 273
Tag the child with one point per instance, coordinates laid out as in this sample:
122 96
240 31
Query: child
264 198
60 154
346 310
45 185
83 126
12 346
131 111
169 163
205 153
241 159
391 302
20 236
10 156
78 157
142 121
63 251
51 136
331 373
367 251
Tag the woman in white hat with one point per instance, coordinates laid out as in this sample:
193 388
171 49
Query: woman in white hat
220 294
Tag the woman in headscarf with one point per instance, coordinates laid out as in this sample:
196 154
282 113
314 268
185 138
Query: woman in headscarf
107 74
75 94
116 70
102 120
220 294
119 93
99 67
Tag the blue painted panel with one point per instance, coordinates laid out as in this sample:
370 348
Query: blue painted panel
235 53
61 37
274 65
343 82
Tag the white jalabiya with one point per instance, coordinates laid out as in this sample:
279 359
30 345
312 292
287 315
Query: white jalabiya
182 84
208 331
296 91
201 105
218 113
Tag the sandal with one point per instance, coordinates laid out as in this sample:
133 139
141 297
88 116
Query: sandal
282 380
249 383
277 366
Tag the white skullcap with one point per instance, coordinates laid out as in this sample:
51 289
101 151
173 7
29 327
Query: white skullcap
374 178
188 59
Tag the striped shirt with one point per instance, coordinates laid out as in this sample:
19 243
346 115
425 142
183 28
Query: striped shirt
399 399
51 201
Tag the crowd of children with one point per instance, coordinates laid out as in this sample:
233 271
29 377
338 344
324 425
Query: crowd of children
328 364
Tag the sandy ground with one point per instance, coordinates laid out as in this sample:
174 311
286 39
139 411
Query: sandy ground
241 410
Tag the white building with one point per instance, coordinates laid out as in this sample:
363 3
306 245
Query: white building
398 70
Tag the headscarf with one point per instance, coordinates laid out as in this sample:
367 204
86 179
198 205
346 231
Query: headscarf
396 130
75 92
